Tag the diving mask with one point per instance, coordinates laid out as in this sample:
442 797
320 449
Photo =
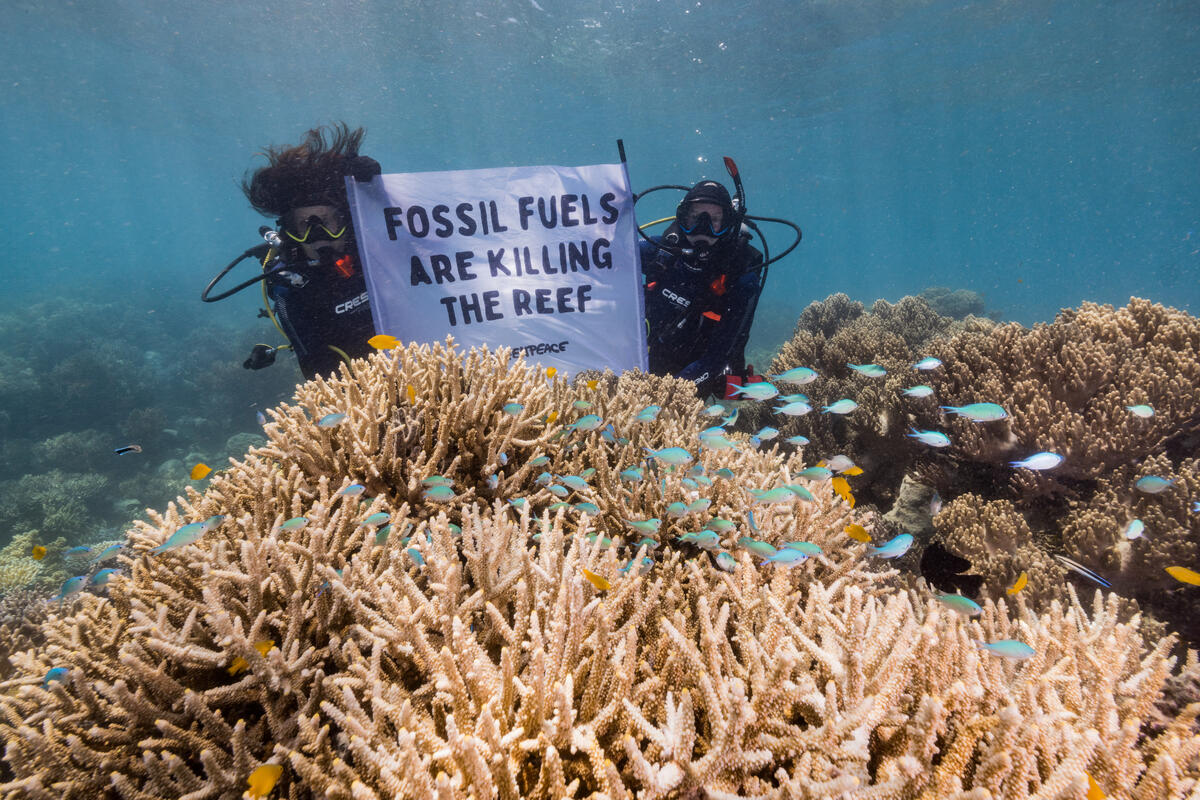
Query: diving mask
701 223
318 229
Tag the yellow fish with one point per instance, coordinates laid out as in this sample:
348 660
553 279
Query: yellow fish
263 779
238 664
1094 790
855 470
383 341
199 471
412 395
1019 585
858 533
592 384
553 415
1184 575
551 372
598 581
39 552
841 487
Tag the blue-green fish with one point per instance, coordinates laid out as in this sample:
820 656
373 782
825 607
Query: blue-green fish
732 418
843 406
591 509
609 434
438 494
353 490
492 481
797 440
920 390
717 442
77 550
714 410
703 480
557 505
70 587
1134 529
726 562
1153 484
557 491
648 542
795 397
931 438
724 472
800 491
184 536
767 433
963 605
1143 411
381 535
699 505
870 370
605 542
574 482
696 470
978 412
631 474
377 518
1038 461
644 566
517 502
780 494
808 548
815 473
436 480
647 526
107 553
582 405
512 409
330 420
893 548
720 525
539 461
677 510
796 408
648 414
796 375
544 479
416 556
761 390
59 674
294 524
706 539
588 422
587 474
676 456
1008 648
755 546
927 363
786 557
689 484
102 577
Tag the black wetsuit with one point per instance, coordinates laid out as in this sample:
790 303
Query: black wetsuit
697 323
329 310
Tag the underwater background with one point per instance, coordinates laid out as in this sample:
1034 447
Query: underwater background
1038 154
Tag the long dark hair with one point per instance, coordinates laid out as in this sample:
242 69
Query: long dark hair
308 174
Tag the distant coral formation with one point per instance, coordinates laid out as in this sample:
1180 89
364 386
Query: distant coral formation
502 642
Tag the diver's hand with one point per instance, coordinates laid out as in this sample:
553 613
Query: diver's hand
363 168
262 355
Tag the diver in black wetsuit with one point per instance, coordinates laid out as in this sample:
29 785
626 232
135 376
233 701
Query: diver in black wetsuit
701 291
313 282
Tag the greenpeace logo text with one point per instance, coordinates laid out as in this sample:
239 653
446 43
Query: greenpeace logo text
539 349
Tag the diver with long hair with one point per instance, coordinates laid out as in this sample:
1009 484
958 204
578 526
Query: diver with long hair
313 284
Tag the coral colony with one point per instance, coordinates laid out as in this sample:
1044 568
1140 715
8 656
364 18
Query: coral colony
448 575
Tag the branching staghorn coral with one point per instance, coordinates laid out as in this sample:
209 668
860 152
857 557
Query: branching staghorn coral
467 654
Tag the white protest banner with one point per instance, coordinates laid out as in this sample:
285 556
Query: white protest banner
540 259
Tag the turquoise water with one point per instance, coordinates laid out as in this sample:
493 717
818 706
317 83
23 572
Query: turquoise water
1039 153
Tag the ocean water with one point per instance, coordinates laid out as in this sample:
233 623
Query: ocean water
1041 154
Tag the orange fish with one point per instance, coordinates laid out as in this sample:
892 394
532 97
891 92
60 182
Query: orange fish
855 470
1094 790
383 341
858 533
238 664
598 581
199 471
551 372
263 780
39 552
1019 585
592 384
1184 575
553 415
412 395
841 487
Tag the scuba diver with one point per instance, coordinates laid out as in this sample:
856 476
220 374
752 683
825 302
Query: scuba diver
702 281
313 286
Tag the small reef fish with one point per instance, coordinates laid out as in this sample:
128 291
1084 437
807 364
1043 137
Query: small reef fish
383 341
78 549
841 488
648 414
677 510
331 420
517 502
260 418
725 473
574 482
843 406
920 390
411 394
706 539
1196 506
815 473
642 568
787 557
492 481
752 523
131 448
381 535
797 375
599 581
963 605
935 504
632 474
732 418
551 417
767 433
715 441
797 440
870 370
796 408
263 779
716 410
858 533
800 491
1021 583
720 525
238 664
582 405
440 494
102 577
1075 566
726 562
182 537
781 494
512 409
755 546
539 461
1143 411
378 518
609 434
978 412
353 490
648 542
838 463
1184 575
588 422
929 362
1008 648
699 505
760 391
416 556
675 456
1039 461
1153 484
893 548
931 438
199 471
39 552
58 674
592 384
557 491
70 587
551 372
647 526
793 398
1134 529
808 548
